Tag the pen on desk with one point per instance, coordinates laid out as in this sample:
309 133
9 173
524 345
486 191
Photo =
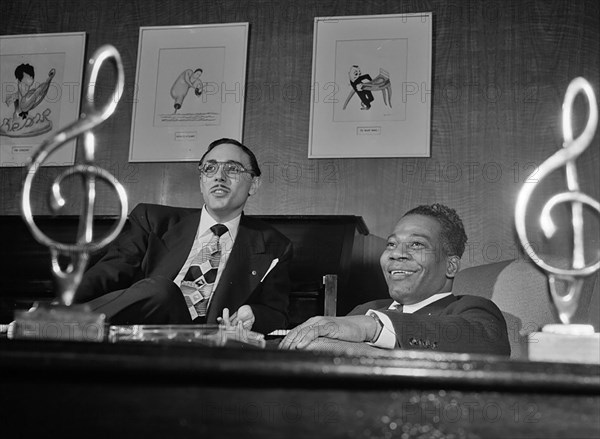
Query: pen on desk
273 264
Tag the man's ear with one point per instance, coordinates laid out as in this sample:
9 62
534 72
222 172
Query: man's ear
200 177
256 182
452 266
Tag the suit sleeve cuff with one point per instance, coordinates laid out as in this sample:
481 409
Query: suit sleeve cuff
387 338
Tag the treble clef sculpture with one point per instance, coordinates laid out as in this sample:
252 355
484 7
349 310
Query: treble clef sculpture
566 304
78 253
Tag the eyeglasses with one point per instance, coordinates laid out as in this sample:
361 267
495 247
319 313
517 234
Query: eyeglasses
230 168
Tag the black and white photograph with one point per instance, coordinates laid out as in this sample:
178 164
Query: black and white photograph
356 219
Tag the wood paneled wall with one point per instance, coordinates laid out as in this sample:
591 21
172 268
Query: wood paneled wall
500 70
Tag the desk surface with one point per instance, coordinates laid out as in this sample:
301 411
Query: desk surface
141 390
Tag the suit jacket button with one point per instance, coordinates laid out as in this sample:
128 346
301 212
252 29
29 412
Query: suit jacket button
253 272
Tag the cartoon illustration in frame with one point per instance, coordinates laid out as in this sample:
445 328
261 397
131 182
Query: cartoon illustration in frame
41 88
371 86
190 82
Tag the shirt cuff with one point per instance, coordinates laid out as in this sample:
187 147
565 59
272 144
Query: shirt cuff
387 338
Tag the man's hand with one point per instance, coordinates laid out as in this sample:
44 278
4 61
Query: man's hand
244 315
349 328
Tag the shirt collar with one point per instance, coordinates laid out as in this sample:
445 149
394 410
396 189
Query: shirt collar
409 309
207 221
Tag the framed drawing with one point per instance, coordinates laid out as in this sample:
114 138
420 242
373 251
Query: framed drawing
41 77
190 85
371 86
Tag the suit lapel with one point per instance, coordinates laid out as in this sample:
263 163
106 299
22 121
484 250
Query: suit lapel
436 308
168 258
242 274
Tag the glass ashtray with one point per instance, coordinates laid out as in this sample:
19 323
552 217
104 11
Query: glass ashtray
208 335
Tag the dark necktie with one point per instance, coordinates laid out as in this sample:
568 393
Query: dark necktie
197 285
397 307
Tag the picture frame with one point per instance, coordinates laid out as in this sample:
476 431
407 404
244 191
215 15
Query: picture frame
41 77
371 86
190 83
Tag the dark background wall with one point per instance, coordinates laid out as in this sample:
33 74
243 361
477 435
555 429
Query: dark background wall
500 71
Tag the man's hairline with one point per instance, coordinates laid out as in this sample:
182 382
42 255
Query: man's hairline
232 144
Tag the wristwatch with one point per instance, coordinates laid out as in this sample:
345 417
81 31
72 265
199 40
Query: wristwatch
379 324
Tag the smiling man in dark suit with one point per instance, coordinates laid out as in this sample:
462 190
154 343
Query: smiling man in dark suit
180 265
419 263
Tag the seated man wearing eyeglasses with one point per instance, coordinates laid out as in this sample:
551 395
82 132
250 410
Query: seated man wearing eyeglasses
181 266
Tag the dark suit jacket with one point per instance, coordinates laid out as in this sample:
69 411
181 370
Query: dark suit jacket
159 241
468 324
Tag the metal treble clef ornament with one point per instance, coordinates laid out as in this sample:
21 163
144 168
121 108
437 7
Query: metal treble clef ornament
78 253
566 304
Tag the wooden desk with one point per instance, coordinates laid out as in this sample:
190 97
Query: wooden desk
61 389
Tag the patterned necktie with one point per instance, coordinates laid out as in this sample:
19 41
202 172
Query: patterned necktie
197 285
